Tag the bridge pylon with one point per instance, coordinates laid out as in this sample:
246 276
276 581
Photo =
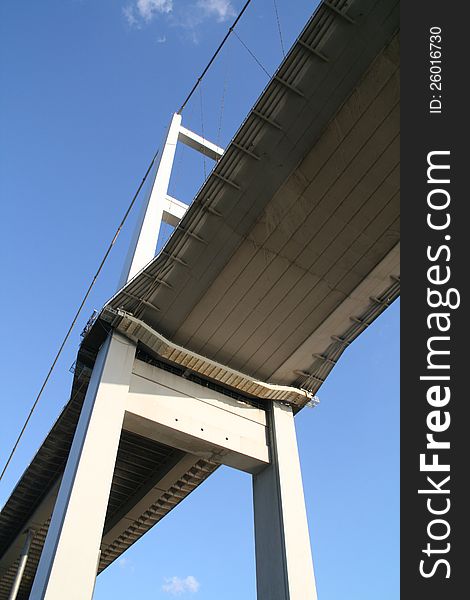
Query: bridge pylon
127 393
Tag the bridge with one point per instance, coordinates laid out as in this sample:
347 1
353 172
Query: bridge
288 252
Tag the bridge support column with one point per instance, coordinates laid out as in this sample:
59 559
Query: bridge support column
68 563
284 567
22 565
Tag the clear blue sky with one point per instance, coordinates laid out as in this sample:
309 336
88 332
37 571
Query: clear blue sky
88 87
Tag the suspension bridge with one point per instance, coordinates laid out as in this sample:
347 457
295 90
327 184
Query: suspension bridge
206 352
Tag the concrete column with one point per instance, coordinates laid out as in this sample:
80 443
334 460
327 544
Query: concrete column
284 567
144 242
22 565
67 567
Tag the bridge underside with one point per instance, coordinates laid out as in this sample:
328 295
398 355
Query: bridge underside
288 252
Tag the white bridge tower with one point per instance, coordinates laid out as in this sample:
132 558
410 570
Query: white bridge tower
261 442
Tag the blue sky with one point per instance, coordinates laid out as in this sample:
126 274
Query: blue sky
88 88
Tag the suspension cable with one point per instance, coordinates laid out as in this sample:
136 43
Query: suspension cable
222 100
72 325
252 54
199 79
202 129
279 28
